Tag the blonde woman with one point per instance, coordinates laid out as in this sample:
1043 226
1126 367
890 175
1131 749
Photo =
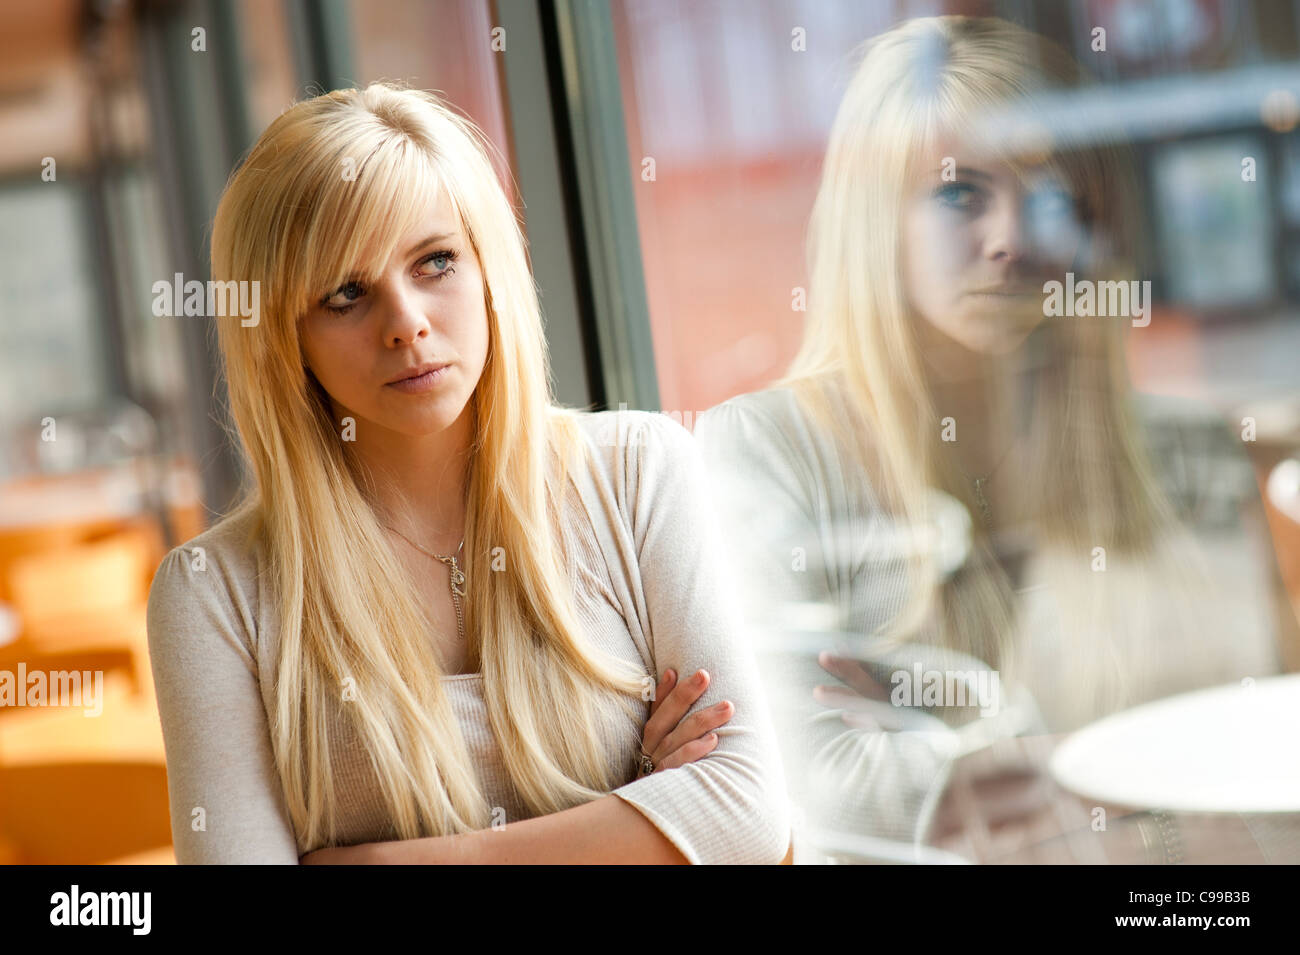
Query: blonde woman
431 632
958 481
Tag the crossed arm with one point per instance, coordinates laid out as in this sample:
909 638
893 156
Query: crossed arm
596 832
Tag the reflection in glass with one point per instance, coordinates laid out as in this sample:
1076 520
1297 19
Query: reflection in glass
955 491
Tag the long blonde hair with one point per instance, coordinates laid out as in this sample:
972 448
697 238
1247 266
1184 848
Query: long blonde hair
1093 485
327 192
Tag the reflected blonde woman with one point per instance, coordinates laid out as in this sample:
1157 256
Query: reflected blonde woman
955 481
433 629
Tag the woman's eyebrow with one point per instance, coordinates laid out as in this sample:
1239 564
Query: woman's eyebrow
438 237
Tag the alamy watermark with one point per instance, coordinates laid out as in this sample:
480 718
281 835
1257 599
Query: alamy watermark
209 299
83 688
619 427
130 909
1086 299
931 688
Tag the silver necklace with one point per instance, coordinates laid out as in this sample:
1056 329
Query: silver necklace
457 578
980 483
981 500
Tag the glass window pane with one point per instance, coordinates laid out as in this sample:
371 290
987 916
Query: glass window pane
440 45
51 348
733 113
1103 497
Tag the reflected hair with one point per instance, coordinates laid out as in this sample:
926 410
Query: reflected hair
1092 484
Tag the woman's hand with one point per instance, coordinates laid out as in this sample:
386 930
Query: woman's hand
865 704
671 741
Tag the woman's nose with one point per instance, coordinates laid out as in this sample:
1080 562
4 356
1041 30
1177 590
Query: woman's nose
404 319
1005 239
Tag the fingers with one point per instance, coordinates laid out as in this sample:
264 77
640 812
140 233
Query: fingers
689 753
672 738
693 727
853 674
669 713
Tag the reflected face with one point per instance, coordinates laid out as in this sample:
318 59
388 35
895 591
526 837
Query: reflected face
978 242
427 309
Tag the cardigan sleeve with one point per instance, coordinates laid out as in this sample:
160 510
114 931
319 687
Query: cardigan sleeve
226 801
789 536
730 806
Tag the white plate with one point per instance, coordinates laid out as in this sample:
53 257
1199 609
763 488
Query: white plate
1234 748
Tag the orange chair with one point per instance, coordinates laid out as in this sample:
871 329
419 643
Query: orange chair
87 598
105 659
16 543
126 729
82 813
105 575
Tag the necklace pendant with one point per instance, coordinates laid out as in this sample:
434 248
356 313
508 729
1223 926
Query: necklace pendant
457 579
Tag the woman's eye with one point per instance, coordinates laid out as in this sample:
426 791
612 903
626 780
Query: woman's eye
437 265
345 297
957 195
1051 201
442 264
1051 210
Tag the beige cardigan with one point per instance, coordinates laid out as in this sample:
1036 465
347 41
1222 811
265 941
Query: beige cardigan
651 587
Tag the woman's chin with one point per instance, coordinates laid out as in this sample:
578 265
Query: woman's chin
434 418
1001 333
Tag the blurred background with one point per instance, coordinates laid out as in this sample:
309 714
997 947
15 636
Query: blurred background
664 155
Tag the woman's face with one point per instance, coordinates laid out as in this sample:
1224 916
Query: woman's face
426 309
978 242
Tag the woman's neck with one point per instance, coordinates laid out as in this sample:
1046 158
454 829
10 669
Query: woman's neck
985 397
420 482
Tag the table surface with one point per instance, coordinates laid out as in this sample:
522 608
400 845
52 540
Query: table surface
1230 749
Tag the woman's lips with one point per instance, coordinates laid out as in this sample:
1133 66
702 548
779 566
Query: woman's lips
421 383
